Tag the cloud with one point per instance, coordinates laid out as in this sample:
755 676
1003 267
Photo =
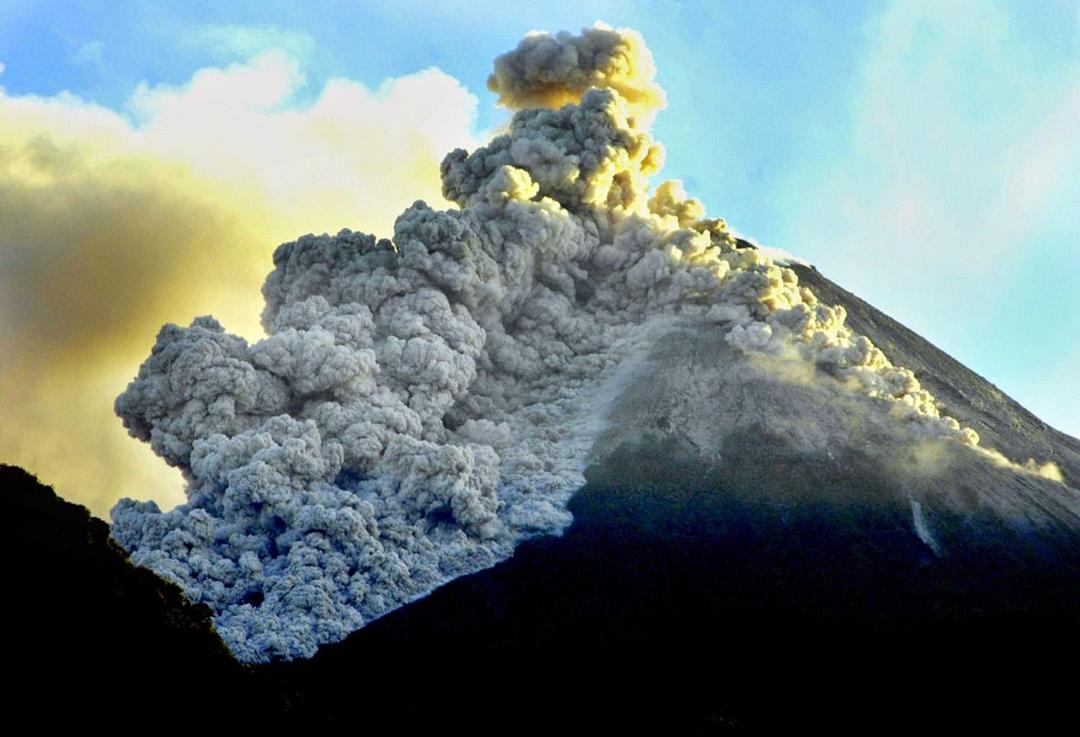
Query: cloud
90 53
942 171
112 223
418 405
958 174
238 41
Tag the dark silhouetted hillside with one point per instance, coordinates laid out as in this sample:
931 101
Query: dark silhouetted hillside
91 638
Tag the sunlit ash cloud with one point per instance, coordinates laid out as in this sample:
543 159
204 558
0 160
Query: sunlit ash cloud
422 403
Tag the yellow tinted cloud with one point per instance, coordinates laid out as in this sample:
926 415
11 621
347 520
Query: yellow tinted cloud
109 228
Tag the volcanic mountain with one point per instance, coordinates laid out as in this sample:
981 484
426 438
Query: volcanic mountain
574 455
737 574
768 584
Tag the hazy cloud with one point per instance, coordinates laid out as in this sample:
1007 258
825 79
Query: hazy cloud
89 53
240 41
102 220
959 163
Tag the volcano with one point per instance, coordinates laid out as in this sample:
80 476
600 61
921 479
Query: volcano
575 456
770 564
729 575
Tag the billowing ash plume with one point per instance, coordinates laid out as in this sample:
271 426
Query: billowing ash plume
424 403
551 71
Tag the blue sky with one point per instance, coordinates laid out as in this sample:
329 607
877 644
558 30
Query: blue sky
923 155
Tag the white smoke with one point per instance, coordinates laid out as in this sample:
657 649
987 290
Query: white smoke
424 403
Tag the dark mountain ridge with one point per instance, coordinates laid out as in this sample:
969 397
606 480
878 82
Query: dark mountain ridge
91 634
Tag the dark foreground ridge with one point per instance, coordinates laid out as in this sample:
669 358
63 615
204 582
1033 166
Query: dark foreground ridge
92 639
773 588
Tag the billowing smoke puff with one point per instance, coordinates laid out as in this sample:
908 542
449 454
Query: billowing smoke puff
551 71
424 403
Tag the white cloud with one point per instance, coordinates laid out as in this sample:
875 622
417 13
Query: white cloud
102 218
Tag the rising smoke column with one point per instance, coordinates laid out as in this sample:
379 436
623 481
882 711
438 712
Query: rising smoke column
423 403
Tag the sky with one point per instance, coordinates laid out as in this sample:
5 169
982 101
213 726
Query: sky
924 155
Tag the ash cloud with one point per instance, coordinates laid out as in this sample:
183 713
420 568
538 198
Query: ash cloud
423 403
548 70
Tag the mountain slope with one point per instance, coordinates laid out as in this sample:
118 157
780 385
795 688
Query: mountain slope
753 551
1000 421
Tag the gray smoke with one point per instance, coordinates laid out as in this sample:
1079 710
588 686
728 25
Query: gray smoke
422 404
552 70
